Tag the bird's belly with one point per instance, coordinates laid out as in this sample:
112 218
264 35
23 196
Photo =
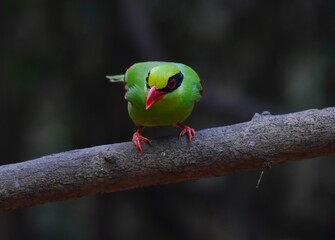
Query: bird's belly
158 116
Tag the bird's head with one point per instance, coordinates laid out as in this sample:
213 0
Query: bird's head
162 80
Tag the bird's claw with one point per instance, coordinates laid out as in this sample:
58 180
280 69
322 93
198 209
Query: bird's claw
186 130
137 138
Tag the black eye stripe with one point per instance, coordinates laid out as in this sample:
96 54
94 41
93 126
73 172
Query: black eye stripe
147 79
171 86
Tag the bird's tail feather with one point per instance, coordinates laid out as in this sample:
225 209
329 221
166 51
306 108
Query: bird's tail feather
116 78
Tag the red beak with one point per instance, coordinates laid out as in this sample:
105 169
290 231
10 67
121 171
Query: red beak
154 96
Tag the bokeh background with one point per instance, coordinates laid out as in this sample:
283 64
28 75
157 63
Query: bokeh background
251 56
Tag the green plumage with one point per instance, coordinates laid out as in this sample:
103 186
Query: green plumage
173 108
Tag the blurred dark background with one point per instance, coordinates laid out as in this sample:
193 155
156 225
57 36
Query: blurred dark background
251 56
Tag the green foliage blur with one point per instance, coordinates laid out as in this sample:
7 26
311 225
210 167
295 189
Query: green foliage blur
252 56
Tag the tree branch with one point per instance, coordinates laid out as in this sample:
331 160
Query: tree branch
263 142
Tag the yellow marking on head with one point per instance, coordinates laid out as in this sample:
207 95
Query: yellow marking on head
160 75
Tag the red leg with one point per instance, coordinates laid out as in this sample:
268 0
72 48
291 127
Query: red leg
186 129
138 137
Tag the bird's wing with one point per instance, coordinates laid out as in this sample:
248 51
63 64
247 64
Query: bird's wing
116 78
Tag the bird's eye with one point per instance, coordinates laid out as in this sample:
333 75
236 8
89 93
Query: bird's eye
172 83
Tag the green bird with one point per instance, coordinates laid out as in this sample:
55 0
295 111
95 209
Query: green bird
160 93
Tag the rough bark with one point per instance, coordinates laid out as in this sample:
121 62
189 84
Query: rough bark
264 141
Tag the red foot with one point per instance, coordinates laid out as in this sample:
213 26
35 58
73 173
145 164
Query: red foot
138 137
186 129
